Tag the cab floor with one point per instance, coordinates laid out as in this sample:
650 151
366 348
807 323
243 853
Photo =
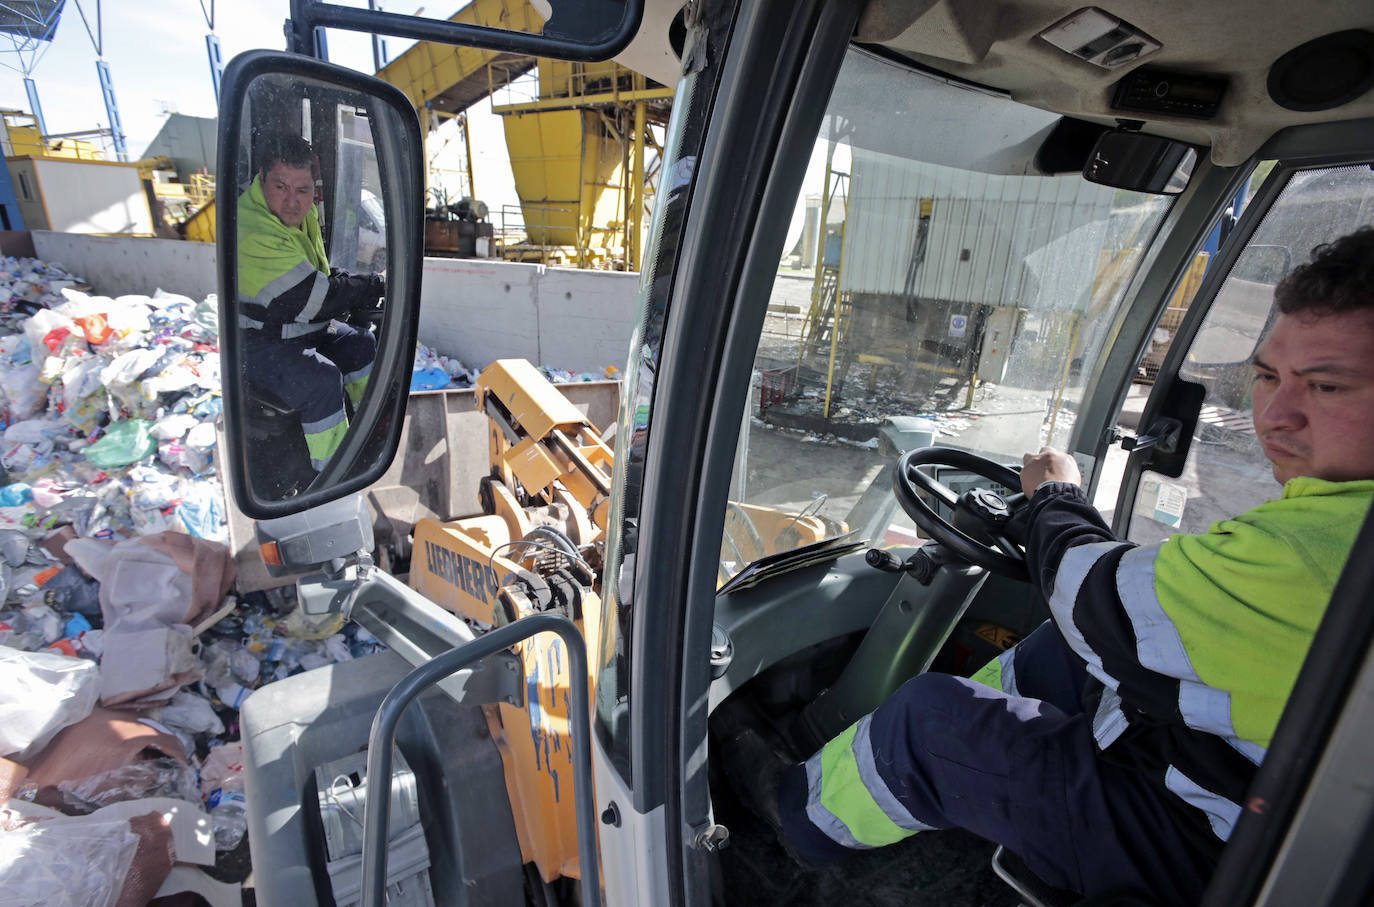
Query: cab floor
947 868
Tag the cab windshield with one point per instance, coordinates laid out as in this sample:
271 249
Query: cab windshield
935 288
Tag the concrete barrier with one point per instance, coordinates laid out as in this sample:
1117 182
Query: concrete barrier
477 311
471 309
118 266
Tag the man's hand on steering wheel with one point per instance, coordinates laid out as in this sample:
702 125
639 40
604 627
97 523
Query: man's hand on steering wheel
1049 465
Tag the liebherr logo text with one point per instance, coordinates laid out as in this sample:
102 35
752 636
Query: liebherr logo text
473 577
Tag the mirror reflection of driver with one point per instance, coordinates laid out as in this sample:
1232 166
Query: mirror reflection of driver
1112 749
291 303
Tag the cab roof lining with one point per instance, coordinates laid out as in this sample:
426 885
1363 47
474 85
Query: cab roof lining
996 44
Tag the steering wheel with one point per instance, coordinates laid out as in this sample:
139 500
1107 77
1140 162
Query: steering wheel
974 531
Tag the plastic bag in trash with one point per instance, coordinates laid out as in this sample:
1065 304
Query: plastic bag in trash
66 863
429 379
160 777
124 443
40 694
15 494
25 393
189 712
14 547
174 427
130 366
201 512
153 489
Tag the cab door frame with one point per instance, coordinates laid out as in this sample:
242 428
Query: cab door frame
1295 149
776 74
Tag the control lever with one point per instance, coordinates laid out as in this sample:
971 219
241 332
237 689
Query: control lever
922 565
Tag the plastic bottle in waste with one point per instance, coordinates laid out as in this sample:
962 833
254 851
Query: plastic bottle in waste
229 813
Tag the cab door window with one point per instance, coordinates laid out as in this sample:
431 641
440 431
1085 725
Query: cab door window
1226 471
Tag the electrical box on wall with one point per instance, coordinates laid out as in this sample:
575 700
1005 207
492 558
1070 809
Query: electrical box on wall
998 330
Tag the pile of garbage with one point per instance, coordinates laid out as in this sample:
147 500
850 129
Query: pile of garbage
108 409
122 667
124 653
434 371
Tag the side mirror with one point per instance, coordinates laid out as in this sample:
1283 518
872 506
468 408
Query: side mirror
317 315
1140 162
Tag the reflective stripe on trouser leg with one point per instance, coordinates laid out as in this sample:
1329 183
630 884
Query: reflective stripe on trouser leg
323 437
848 800
356 382
1000 673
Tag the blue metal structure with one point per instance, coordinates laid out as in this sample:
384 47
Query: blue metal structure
29 27
102 70
212 49
31 89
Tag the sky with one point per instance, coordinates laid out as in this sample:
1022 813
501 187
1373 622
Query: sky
157 58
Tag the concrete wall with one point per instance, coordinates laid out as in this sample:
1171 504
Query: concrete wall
116 266
471 309
479 310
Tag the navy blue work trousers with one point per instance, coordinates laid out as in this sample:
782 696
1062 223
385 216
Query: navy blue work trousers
307 374
1025 772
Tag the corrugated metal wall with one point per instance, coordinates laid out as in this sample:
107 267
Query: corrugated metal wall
1028 241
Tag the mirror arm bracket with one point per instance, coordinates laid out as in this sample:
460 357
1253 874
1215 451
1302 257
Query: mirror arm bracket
1163 435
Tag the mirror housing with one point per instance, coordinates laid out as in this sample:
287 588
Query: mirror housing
315 538
382 111
1140 162
579 30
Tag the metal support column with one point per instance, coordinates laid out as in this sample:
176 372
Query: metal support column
467 156
31 88
635 224
212 50
378 44
112 109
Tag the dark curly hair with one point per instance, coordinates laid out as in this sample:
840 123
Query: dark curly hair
284 147
1339 278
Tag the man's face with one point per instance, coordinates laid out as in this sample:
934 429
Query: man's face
290 191
1314 396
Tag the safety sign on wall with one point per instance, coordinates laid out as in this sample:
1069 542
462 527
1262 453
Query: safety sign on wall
958 325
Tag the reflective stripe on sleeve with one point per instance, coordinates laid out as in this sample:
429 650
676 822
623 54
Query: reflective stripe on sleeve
1221 812
291 278
1109 721
315 303
1159 648
1073 569
294 331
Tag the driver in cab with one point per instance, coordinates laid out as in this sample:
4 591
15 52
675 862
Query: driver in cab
1112 748
291 302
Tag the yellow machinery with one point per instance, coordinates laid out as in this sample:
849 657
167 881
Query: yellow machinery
539 546
577 148
22 138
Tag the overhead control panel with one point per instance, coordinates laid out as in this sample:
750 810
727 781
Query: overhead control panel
1150 90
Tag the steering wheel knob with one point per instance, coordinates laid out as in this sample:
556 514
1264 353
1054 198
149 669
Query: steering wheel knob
987 505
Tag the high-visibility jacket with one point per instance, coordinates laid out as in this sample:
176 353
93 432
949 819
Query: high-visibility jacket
1192 645
286 288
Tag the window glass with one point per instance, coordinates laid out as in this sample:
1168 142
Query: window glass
1226 471
934 289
